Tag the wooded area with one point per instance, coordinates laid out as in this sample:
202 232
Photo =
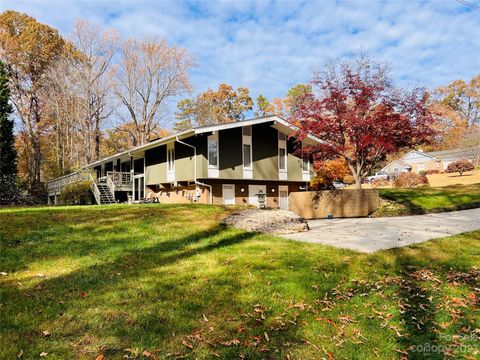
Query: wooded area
90 94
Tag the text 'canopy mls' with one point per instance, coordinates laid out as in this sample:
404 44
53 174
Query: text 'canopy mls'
361 116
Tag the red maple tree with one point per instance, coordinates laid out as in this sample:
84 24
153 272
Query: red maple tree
360 116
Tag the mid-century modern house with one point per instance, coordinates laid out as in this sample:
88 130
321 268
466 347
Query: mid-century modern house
418 160
221 164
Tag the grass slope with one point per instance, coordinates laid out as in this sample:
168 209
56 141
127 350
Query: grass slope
169 281
424 200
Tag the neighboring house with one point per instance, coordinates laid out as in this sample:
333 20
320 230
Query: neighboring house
418 160
222 164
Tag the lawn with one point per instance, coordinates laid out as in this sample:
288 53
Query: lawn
170 281
424 200
468 178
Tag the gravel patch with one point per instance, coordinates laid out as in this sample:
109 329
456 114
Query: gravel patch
277 222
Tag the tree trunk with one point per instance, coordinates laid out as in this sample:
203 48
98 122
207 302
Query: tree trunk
97 137
358 182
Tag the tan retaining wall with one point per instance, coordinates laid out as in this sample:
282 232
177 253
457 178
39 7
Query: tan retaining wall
340 203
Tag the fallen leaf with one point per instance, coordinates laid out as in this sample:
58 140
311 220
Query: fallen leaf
46 333
3 273
84 294
40 275
231 342
99 357
43 354
190 346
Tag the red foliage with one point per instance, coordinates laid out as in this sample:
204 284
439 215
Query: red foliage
361 117
460 166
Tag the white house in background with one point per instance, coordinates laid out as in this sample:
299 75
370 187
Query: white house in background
418 160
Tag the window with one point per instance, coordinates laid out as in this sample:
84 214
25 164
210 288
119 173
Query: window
282 159
282 156
170 159
305 165
213 151
247 158
247 152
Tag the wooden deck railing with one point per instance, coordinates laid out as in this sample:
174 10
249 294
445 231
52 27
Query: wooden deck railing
120 178
56 185
114 179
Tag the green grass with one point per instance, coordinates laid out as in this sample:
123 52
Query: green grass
424 200
169 281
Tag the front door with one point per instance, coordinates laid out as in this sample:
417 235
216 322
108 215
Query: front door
228 194
253 190
138 187
283 197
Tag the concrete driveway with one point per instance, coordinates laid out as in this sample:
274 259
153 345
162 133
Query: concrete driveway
372 234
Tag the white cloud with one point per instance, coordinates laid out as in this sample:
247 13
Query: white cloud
270 46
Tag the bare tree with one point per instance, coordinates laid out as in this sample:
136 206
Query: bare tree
64 110
150 73
93 72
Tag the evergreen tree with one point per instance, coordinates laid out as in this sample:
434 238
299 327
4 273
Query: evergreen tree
8 155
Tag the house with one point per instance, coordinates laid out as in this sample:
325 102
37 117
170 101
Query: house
418 160
220 164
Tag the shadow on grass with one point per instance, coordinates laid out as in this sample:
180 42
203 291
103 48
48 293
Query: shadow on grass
92 289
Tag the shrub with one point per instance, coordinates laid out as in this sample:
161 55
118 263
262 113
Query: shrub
380 183
328 171
460 166
431 172
422 172
410 180
79 193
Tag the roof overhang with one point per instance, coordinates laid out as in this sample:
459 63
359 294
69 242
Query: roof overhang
277 122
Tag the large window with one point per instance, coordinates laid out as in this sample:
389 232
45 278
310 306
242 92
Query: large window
170 159
247 152
282 156
282 163
213 151
247 158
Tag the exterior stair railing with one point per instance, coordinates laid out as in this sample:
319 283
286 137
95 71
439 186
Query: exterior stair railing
95 191
110 184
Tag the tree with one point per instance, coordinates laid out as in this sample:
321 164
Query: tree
149 74
7 141
460 166
8 166
360 117
91 69
464 98
264 108
29 48
214 107
296 96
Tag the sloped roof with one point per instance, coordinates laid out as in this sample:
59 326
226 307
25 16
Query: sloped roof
401 163
455 153
279 123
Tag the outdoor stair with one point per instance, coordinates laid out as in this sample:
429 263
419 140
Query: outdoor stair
106 196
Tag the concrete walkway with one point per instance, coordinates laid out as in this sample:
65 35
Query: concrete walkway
372 234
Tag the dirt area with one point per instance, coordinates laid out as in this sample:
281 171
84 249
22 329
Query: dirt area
277 222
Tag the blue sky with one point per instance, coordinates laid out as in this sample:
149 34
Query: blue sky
270 46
